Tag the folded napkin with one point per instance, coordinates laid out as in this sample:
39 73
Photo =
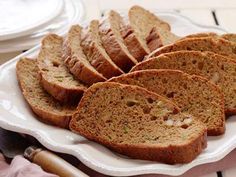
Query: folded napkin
20 167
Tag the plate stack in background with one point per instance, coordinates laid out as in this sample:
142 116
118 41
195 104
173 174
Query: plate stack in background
24 23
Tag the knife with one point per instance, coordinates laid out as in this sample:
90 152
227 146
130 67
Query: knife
12 144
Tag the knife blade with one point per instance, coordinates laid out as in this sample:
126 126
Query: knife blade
12 144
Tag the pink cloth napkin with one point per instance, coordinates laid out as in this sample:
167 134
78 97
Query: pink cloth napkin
20 167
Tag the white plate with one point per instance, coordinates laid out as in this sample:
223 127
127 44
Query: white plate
72 13
16 115
22 17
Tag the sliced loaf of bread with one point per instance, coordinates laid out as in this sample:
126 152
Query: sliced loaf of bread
152 31
193 94
95 52
55 77
138 123
212 44
113 42
75 59
217 68
44 105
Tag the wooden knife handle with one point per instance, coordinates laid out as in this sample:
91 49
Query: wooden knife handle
52 163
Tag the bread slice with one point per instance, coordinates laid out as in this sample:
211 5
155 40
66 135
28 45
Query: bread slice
113 42
229 36
217 68
96 54
149 29
136 47
211 44
206 34
138 123
55 77
193 94
75 59
44 105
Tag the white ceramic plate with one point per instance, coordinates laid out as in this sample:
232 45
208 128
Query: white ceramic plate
22 17
73 12
16 115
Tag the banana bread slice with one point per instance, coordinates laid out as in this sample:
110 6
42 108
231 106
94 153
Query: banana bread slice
55 77
75 59
193 94
206 34
44 105
152 31
113 42
138 123
211 44
228 36
136 47
95 52
217 68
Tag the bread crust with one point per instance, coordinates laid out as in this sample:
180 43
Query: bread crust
170 155
208 34
228 36
51 118
66 95
96 54
209 43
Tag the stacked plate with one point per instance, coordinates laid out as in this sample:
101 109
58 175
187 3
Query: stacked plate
23 23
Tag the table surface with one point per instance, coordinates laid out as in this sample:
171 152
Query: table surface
207 12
